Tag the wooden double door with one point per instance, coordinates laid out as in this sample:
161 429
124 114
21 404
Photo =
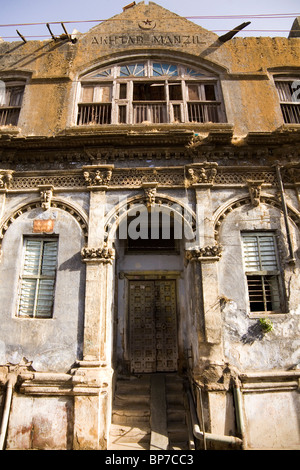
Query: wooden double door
153 326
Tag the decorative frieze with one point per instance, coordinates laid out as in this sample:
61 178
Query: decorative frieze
94 177
102 254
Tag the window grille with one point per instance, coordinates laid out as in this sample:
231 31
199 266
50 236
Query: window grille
262 272
289 101
38 278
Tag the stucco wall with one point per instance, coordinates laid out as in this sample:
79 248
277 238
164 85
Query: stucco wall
245 67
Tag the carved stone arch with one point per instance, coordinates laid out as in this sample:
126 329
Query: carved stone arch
119 212
221 214
55 203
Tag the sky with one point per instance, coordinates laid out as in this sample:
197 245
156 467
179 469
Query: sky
85 14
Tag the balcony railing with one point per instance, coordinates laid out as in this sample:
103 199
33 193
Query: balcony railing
153 112
291 113
9 115
204 112
91 113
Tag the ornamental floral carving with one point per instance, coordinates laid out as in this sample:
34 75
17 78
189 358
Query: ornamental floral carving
97 176
206 253
102 254
202 174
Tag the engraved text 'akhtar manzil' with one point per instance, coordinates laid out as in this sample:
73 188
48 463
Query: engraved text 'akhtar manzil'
147 39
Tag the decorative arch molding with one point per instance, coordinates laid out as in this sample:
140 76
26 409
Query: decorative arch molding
38 203
150 199
190 60
221 214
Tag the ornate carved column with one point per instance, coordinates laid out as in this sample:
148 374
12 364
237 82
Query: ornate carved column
204 260
204 256
98 260
93 410
98 298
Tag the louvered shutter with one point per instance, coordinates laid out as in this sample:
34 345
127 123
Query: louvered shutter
38 278
262 272
284 90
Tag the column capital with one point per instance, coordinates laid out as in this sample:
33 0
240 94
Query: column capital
207 253
102 254
97 177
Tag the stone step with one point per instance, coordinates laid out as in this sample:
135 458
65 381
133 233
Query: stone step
121 434
131 417
175 399
177 431
176 415
179 446
129 446
133 382
129 412
134 398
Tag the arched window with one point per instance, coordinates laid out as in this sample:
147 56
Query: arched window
149 91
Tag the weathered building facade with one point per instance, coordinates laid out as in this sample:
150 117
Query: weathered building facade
149 221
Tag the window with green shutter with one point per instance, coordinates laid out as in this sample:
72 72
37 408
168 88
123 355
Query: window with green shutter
262 271
38 278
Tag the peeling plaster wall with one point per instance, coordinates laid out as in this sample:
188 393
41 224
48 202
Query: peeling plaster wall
245 345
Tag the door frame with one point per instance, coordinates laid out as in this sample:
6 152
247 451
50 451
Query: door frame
146 276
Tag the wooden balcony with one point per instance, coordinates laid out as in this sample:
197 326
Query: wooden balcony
204 112
152 112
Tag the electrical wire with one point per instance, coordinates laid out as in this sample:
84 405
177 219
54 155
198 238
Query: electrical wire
221 17
196 17
213 31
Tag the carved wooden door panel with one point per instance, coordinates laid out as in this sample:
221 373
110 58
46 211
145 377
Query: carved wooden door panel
142 328
153 331
165 326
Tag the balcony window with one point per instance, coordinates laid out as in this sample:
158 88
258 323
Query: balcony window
154 92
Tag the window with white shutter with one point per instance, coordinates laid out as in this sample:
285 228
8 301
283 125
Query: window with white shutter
11 97
289 92
38 278
262 271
